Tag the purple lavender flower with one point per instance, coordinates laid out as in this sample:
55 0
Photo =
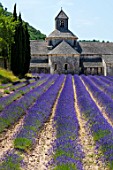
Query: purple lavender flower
37 115
68 152
17 108
101 130
12 161
102 98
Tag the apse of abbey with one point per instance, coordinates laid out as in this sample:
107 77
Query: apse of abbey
62 53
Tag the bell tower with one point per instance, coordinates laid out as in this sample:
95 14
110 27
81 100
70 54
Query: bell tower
61 21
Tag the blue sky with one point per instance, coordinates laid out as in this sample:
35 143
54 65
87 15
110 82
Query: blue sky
88 19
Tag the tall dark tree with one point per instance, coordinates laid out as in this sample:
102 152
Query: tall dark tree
19 46
20 57
26 53
14 48
15 13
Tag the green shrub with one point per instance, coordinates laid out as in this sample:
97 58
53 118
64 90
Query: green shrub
22 143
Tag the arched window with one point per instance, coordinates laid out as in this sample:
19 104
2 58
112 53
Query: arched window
55 66
62 23
66 66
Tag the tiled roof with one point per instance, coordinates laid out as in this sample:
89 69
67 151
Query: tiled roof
92 64
108 58
58 34
38 47
96 48
62 15
63 48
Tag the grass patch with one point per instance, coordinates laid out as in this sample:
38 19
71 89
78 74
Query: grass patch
110 165
22 143
7 91
60 152
7 76
3 123
100 134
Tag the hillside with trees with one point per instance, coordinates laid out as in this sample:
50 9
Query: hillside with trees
34 33
14 43
15 36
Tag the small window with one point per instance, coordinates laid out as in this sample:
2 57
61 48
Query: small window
55 66
62 23
66 66
50 43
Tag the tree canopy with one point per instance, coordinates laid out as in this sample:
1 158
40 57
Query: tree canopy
14 42
7 30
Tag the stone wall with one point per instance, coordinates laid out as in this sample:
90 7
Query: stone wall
109 69
64 64
39 70
55 42
39 59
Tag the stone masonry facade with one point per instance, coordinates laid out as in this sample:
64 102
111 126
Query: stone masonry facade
62 53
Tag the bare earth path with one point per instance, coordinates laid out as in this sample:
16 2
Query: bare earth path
90 161
39 157
7 138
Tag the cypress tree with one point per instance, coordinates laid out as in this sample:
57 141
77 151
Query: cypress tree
27 55
14 13
20 53
16 52
19 59
14 49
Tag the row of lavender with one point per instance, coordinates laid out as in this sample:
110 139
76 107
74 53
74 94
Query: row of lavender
67 151
103 98
10 87
101 130
33 121
104 84
68 154
37 115
14 111
21 90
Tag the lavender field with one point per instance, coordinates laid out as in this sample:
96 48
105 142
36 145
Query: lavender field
58 122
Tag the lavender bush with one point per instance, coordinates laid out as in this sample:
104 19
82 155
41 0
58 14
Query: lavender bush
101 130
17 108
102 86
68 154
3 86
5 101
102 99
12 161
37 115
17 86
105 80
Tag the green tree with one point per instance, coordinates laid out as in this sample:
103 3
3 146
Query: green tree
20 51
7 30
16 52
26 50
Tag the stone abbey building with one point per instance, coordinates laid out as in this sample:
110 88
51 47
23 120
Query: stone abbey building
62 53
